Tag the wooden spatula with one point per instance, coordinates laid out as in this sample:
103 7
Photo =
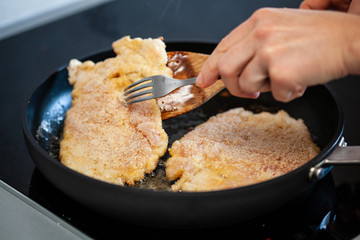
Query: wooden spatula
182 100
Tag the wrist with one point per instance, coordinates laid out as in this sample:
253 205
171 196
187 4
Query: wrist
353 48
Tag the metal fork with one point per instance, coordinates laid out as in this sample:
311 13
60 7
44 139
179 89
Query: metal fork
153 87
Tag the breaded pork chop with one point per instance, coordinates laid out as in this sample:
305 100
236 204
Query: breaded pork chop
102 137
238 148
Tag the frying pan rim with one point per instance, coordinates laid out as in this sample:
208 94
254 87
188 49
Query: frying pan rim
321 156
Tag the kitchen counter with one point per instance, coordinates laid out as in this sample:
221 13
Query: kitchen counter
30 57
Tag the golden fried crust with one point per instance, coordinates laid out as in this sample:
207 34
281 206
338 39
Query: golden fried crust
238 148
102 137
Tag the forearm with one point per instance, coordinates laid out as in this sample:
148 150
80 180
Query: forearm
352 57
352 53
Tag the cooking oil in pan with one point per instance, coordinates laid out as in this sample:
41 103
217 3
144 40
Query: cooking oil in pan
49 136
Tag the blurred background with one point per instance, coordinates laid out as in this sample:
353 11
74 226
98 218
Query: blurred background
20 15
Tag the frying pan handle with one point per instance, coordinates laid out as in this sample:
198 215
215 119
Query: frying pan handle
343 155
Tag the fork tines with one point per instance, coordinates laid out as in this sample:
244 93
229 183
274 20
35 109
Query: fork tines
133 91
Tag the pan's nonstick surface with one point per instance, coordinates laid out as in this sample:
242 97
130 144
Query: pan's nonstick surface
50 115
43 120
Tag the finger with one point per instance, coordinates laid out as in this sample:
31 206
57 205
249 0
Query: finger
315 4
209 72
233 62
285 90
254 77
208 75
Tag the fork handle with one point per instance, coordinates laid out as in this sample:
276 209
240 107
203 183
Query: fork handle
176 83
170 86
188 81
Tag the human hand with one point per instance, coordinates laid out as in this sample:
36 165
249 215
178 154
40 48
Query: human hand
284 51
340 5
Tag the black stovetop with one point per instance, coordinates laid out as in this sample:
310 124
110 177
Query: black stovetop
330 211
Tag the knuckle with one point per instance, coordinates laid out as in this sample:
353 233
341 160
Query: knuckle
224 44
267 54
264 24
263 30
225 69
261 13
286 88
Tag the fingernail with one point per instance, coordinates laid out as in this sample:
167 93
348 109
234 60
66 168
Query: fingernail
289 96
256 95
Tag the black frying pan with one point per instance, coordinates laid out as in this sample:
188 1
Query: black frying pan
42 122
